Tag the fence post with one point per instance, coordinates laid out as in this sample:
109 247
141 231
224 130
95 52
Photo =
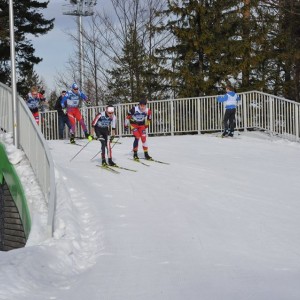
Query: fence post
172 117
244 107
297 121
198 115
119 110
271 114
57 127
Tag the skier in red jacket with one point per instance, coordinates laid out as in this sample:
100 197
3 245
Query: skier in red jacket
139 118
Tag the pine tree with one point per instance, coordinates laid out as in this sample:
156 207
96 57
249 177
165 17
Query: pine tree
200 57
288 45
27 20
127 79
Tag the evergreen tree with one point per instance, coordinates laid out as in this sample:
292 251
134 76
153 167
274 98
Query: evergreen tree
27 20
288 50
52 99
249 42
254 51
127 79
274 36
201 54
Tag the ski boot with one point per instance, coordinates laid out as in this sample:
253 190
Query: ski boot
230 134
225 133
111 163
135 156
147 156
104 163
72 139
88 136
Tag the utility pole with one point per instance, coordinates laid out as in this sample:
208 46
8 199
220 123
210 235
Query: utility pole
13 75
80 8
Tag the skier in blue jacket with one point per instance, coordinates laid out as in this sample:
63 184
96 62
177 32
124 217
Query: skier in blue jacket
71 102
230 100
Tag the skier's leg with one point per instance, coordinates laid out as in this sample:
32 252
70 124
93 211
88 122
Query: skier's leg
137 137
72 120
103 148
61 125
232 121
225 122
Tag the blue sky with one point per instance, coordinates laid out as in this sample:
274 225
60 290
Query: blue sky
56 47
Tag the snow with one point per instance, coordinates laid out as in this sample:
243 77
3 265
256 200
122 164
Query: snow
221 222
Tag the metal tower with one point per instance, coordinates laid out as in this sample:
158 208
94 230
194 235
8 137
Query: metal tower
80 8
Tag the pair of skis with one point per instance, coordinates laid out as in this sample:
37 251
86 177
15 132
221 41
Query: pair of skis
113 168
229 137
75 144
151 159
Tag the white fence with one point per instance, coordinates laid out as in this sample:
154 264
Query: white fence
256 110
32 142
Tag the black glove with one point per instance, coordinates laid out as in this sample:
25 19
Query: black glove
126 129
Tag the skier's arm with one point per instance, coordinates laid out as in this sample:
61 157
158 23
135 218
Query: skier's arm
149 118
128 118
63 101
222 98
83 96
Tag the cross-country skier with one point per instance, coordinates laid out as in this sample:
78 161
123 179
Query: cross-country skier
104 126
71 102
139 118
33 100
230 100
62 116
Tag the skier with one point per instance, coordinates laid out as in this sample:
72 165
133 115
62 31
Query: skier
139 118
62 116
230 103
33 100
71 102
104 126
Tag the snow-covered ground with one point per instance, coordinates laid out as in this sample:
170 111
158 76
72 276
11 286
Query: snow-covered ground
221 222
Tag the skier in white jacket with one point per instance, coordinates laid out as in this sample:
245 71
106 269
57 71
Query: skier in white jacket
230 100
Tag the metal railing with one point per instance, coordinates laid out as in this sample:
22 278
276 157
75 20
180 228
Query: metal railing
32 142
256 110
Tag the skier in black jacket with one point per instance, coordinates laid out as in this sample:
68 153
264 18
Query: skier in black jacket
62 116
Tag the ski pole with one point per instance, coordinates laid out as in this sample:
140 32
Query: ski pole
99 139
80 151
95 154
115 143
100 150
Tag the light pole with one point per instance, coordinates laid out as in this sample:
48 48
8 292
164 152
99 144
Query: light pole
80 8
13 74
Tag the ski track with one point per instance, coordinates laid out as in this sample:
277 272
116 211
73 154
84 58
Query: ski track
220 222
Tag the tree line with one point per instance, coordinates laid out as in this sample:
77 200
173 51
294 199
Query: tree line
162 49
28 20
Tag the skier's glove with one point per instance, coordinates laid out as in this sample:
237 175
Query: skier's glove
126 129
111 138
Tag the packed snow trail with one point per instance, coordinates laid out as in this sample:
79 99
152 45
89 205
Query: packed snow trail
220 222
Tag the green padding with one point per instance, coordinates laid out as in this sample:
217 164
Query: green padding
8 172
